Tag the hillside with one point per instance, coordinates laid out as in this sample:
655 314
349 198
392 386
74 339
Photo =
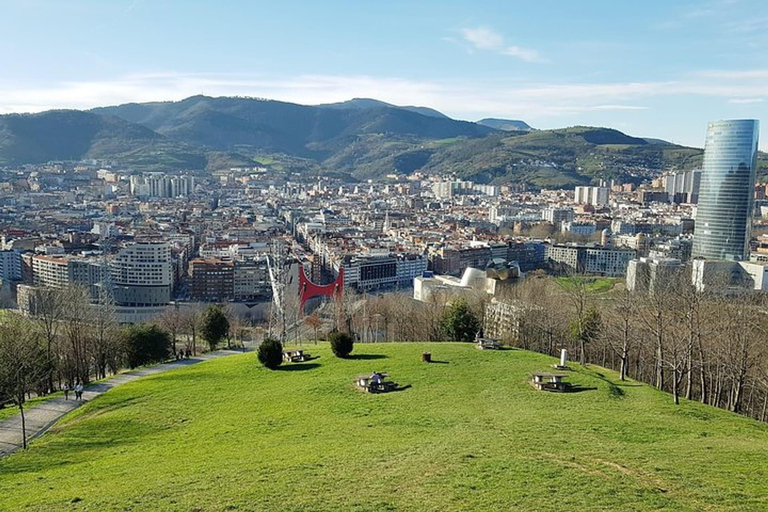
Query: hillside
467 433
562 157
362 138
507 125
367 103
274 126
68 135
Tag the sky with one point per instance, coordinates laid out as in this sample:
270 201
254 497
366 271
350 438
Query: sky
652 68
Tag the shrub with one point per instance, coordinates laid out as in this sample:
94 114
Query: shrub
146 344
341 343
270 353
459 322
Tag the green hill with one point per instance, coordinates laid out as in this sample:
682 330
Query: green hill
68 135
361 138
275 126
469 433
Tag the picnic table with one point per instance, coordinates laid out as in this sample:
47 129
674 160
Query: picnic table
373 385
487 344
550 382
294 356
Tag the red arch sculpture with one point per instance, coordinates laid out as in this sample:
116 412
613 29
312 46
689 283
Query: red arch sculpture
309 290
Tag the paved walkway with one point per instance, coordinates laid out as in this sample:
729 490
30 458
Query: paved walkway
40 418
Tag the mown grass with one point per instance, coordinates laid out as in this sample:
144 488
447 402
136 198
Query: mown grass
469 433
591 284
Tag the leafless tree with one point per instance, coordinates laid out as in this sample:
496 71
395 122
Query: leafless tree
23 363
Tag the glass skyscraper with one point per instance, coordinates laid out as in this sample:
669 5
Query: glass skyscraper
724 214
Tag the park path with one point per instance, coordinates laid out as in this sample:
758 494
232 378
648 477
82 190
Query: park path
42 416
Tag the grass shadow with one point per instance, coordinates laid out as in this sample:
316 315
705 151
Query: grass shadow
580 389
297 367
439 362
366 357
613 389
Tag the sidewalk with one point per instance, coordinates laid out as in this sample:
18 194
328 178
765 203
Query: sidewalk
41 417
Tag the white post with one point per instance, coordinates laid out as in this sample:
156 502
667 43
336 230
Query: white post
563 357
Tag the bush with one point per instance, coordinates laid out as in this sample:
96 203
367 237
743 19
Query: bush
215 326
146 344
459 323
341 343
270 353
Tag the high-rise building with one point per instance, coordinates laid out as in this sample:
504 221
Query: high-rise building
595 196
141 275
725 197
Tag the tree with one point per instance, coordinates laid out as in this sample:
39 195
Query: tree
172 320
270 353
341 344
192 317
459 322
620 318
586 330
214 326
145 344
78 321
23 367
106 348
47 306
314 322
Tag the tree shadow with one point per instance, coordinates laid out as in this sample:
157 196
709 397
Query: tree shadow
580 389
366 357
297 367
614 390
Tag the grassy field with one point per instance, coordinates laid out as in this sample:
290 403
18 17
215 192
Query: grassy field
469 433
592 285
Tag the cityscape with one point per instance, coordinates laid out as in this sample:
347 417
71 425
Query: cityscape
298 293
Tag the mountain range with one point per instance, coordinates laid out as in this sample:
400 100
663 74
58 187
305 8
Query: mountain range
360 139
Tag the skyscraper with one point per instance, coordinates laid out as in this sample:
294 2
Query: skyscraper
724 213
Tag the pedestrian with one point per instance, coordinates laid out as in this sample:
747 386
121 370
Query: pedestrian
66 391
79 391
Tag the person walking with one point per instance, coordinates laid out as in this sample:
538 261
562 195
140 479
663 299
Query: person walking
66 391
79 391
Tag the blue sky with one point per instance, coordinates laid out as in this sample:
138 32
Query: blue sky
650 68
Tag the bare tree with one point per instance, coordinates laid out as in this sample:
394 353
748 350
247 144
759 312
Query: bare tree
46 310
620 331
314 322
173 321
192 317
22 364
77 325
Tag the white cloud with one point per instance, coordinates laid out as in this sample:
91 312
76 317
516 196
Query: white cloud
745 101
461 99
484 38
522 53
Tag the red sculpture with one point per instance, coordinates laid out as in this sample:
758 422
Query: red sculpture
308 289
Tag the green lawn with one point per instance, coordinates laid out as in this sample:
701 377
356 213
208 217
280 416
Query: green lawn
469 434
592 284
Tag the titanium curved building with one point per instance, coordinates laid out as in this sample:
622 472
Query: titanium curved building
724 214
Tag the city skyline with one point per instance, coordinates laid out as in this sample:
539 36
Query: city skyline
652 70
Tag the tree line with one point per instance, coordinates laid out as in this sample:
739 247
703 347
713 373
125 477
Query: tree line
68 339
